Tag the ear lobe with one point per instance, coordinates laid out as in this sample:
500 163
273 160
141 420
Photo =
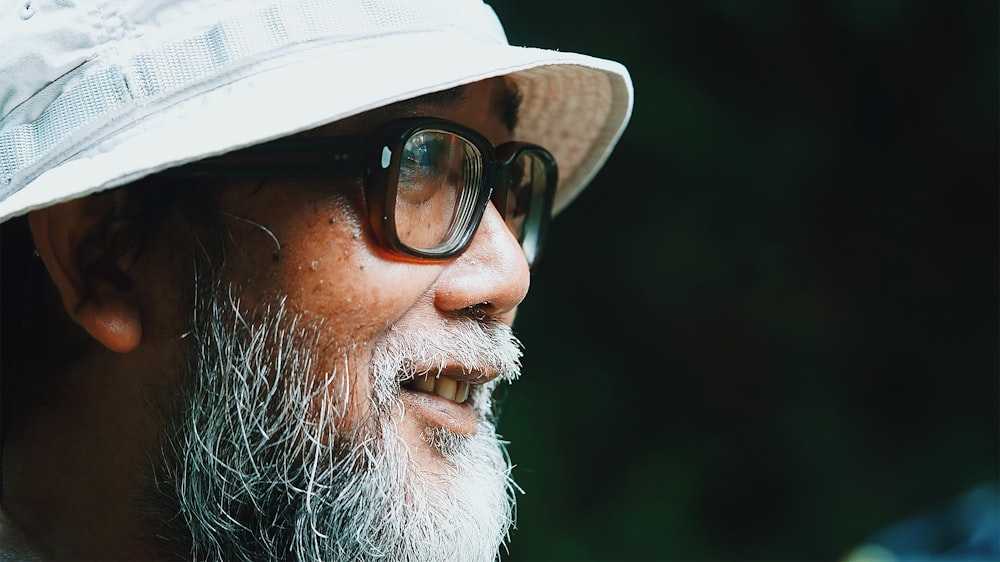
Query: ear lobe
112 322
75 242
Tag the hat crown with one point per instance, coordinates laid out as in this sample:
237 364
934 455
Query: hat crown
41 41
95 94
71 68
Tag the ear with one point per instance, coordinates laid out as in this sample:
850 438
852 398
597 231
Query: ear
74 240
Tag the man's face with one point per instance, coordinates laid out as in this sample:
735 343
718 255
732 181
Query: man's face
335 397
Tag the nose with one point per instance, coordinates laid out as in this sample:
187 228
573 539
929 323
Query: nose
491 273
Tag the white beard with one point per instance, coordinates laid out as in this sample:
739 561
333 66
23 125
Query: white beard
257 470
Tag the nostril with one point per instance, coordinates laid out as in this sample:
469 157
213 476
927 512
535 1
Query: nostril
480 311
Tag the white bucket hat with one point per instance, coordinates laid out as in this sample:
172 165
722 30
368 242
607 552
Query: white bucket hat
96 94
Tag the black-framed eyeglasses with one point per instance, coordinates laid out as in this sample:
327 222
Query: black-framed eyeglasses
427 181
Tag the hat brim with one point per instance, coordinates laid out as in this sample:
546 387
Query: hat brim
574 105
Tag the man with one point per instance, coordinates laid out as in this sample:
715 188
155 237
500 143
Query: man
261 260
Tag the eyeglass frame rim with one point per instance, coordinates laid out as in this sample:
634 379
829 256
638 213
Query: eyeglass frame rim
359 154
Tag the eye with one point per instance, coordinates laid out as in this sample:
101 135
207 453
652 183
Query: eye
429 149
425 167
435 163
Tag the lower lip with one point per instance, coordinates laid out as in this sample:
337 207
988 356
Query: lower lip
435 411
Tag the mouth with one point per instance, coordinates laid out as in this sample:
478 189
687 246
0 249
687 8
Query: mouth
445 386
444 399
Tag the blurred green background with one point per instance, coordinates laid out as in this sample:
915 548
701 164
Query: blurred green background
769 328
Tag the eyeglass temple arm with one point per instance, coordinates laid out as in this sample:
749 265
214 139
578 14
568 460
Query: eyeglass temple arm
315 157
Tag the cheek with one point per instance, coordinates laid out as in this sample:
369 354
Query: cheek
327 265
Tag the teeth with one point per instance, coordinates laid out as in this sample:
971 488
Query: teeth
445 387
424 383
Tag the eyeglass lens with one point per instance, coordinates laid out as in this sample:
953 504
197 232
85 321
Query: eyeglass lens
522 202
433 206
439 192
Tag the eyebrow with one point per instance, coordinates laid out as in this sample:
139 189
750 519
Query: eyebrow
505 106
508 107
442 98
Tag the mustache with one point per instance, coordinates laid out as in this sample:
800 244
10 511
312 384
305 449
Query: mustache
479 346
475 345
